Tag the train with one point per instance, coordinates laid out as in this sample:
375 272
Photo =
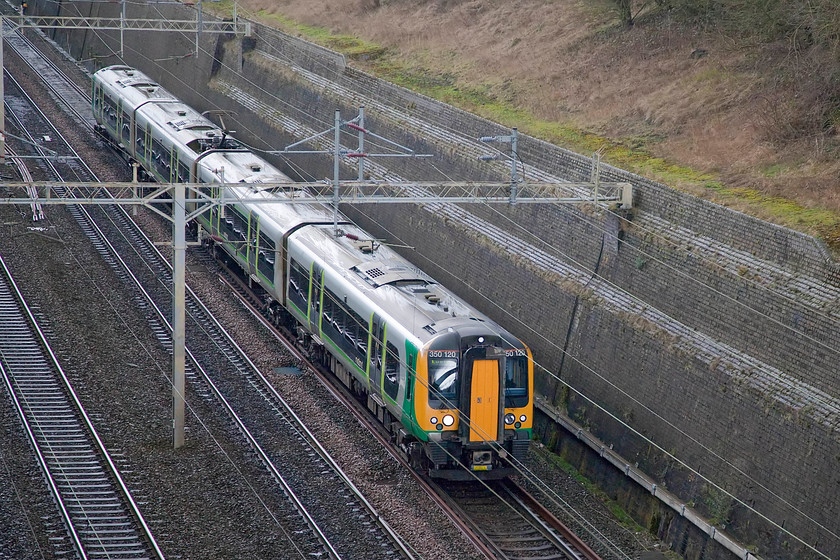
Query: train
454 389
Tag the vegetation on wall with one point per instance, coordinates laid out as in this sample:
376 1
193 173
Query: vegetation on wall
737 101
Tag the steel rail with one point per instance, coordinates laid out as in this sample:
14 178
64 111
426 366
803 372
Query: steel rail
340 393
562 538
568 541
88 424
51 75
252 440
132 505
51 163
161 317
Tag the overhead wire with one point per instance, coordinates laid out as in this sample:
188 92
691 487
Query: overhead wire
219 446
584 395
648 230
203 424
635 298
154 360
742 304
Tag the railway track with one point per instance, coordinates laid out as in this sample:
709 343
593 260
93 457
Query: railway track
500 518
282 441
102 518
59 160
513 524
66 92
326 512
533 536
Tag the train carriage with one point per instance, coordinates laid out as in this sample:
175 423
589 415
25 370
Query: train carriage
454 388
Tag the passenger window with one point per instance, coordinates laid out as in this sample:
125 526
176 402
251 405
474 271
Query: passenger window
298 286
392 370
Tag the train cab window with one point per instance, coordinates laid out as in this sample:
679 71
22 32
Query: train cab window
443 382
516 382
298 285
391 381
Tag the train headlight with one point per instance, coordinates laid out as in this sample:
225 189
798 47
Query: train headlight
433 419
448 420
523 418
510 418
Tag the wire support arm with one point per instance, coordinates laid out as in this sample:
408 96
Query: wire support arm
349 192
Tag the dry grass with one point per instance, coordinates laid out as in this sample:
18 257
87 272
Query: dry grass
728 112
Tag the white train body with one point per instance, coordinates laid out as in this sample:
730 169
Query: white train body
455 388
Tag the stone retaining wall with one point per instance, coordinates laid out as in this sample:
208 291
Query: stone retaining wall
711 332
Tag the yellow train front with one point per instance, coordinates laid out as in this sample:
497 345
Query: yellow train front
473 401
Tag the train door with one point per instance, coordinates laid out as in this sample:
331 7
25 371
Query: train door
484 401
215 212
173 165
377 334
98 101
315 293
253 239
118 132
147 152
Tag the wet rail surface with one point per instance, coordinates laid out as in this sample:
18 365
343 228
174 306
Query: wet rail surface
513 523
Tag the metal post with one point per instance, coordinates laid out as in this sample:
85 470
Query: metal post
199 23
134 167
361 143
336 155
514 178
122 28
178 316
2 100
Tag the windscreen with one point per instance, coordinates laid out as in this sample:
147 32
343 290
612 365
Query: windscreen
516 380
443 381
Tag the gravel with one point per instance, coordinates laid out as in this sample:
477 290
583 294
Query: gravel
208 499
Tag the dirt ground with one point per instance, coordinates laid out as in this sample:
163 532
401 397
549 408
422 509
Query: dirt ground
745 115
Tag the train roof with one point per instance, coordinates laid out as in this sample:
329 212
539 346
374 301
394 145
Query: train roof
192 132
401 290
364 266
133 86
367 266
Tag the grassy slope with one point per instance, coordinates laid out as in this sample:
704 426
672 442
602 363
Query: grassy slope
707 112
